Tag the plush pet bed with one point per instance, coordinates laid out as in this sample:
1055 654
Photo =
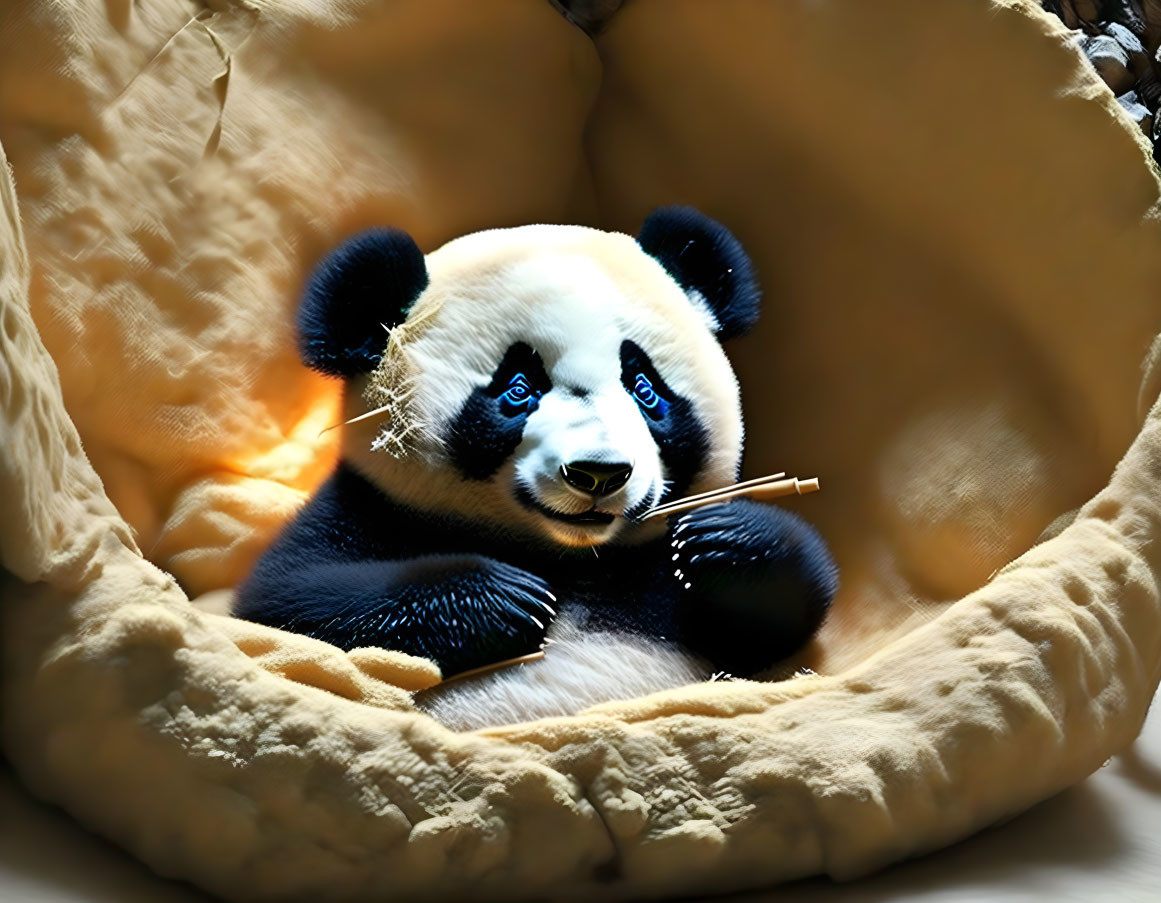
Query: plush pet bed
956 225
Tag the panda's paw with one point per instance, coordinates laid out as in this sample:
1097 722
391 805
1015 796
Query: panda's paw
483 612
755 582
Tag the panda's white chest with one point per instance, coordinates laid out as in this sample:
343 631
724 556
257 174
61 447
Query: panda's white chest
581 668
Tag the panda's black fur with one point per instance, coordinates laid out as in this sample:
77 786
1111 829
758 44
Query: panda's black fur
739 585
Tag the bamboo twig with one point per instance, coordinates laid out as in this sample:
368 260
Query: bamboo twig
764 488
483 669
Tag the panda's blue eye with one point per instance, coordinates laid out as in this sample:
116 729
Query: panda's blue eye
518 388
644 392
652 404
519 397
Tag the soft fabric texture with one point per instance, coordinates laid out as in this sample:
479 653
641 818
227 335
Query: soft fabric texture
955 226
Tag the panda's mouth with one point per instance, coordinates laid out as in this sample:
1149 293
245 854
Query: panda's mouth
592 517
588 518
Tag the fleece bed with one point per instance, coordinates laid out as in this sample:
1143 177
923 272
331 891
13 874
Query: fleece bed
957 228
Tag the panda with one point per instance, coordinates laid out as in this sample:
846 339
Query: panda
515 402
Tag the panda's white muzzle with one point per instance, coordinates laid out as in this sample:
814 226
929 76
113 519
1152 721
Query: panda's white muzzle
586 461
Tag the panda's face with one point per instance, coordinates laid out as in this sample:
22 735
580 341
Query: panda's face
585 437
565 385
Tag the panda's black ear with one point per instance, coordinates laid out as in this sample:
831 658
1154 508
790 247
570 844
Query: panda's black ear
355 294
708 262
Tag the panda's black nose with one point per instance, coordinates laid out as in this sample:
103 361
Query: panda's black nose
596 477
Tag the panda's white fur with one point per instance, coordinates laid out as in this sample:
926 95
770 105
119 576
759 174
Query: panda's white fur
581 668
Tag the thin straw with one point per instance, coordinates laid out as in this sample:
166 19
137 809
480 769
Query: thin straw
366 416
483 669
714 493
764 487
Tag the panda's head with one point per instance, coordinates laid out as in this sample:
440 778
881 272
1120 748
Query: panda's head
550 382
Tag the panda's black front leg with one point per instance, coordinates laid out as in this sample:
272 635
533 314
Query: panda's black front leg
461 611
755 583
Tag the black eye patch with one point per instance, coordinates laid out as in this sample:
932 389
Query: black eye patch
520 379
680 437
642 381
490 424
